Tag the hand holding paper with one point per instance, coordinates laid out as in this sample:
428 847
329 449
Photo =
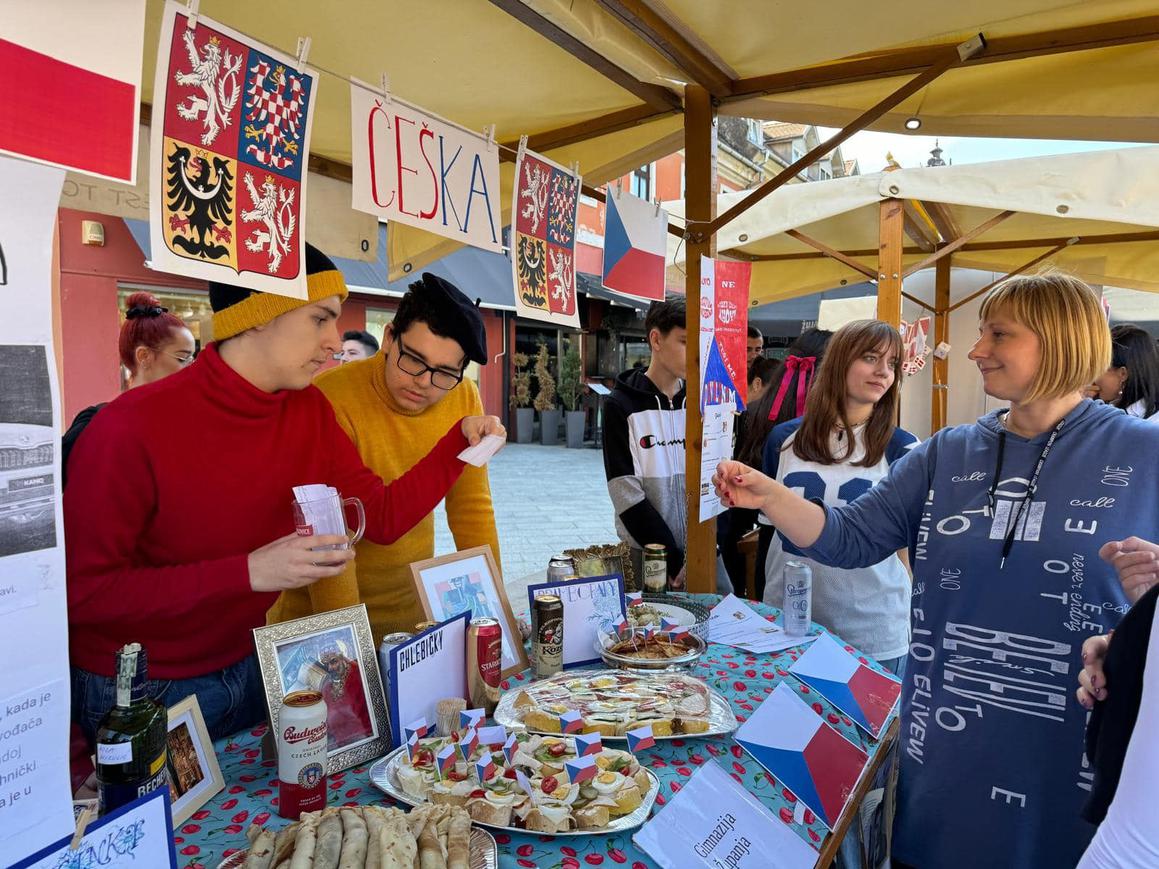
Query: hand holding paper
481 453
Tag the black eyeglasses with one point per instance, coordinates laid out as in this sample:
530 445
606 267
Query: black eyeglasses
416 367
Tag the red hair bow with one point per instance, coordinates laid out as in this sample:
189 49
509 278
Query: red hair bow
804 365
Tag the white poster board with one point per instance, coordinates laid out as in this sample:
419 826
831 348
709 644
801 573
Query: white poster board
424 670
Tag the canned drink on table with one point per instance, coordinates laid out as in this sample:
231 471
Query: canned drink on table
484 662
388 643
655 568
547 635
301 754
560 567
423 626
798 602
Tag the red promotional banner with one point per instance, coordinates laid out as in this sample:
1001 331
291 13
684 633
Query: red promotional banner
724 320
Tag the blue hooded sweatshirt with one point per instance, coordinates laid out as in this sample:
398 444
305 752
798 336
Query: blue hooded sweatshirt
991 743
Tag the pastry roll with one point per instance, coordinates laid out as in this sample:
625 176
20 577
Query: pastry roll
305 842
329 848
354 840
459 841
261 851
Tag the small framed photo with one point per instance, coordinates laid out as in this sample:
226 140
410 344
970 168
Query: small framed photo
334 654
604 560
469 580
194 776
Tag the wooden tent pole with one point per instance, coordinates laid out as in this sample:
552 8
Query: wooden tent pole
891 233
940 399
700 190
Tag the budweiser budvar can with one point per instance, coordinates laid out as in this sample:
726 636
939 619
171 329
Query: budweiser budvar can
484 654
301 754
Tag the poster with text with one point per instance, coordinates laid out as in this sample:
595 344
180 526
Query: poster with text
412 167
724 320
230 143
715 447
71 82
35 796
544 204
635 244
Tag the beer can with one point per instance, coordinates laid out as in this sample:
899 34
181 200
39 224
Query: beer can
301 754
388 643
560 567
484 662
655 568
424 626
798 602
547 635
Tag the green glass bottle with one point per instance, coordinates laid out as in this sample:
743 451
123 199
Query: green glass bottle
131 738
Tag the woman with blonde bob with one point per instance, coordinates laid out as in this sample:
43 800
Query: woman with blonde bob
1003 519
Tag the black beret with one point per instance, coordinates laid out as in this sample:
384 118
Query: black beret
463 320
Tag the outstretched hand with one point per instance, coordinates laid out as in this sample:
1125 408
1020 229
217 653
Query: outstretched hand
475 428
738 485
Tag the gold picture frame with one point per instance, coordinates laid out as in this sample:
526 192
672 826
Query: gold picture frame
604 560
446 582
333 653
194 775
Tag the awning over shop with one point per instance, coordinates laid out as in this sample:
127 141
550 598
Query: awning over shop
478 273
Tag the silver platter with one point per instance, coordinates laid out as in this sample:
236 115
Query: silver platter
484 853
604 643
383 775
687 612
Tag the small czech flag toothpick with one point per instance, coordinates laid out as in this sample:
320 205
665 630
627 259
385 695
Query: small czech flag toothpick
581 769
469 718
468 744
491 736
588 743
485 768
649 632
412 746
571 722
524 782
420 728
668 624
446 760
641 738
509 748
621 626
634 598
677 634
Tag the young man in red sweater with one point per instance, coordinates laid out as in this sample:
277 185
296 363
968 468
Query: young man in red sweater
179 530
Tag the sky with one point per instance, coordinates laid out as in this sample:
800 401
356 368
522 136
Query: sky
870 148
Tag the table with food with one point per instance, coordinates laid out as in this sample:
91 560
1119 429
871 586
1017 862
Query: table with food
563 772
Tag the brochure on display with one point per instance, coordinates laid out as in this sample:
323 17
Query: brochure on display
735 623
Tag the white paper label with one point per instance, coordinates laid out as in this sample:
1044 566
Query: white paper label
110 753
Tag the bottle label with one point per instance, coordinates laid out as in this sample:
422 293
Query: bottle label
114 753
113 796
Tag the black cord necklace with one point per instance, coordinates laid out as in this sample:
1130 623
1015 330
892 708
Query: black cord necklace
1032 487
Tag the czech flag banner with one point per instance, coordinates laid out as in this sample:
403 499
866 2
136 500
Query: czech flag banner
635 244
581 769
641 738
588 743
803 753
571 722
865 695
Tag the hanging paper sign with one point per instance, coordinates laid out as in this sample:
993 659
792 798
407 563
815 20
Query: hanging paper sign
634 247
544 204
72 85
413 167
915 348
230 143
724 320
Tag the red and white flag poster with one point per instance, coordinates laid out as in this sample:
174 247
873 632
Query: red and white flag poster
70 84
543 223
229 146
724 318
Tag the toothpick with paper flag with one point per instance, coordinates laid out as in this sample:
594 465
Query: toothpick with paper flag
412 746
446 760
469 718
509 748
485 768
468 744
866 696
677 634
667 624
620 626
634 598
491 736
581 769
641 738
588 743
571 722
524 782
420 728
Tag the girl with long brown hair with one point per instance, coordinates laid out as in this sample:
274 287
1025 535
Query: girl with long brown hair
845 443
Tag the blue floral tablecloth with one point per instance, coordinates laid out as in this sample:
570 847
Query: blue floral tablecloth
251 786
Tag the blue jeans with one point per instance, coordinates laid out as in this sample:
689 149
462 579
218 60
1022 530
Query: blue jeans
849 854
230 699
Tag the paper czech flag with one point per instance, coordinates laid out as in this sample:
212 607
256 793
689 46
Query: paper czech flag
635 245
588 743
865 695
485 768
412 746
468 744
446 760
420 728
509 748
571 722
492 736
524 782
469 718
641 738
634 598
621 626
667 624
581 769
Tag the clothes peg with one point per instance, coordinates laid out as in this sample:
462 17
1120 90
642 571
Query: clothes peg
191 7
490 133
82 822
303 51
384 86
522 148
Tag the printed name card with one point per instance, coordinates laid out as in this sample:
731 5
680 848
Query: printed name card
713 821
425 670
591 606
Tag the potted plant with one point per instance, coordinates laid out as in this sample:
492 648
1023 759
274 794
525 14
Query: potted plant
520 400
570 390
549 414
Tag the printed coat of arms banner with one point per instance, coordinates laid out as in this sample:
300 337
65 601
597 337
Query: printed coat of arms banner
230 143
544 207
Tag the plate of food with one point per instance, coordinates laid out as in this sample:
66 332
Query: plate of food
645 649
371 837
618 797
612 702
653 608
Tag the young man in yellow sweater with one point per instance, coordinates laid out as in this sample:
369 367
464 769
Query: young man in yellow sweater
395 406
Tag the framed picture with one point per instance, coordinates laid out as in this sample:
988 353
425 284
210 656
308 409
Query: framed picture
604 560
332 653
194 776
469 580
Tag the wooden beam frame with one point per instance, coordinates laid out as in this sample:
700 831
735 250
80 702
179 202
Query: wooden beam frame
890 231
908 61
833 254
1017 271
654 95
672 42
939 400
613 122
943 220
959 242
915 231
950 58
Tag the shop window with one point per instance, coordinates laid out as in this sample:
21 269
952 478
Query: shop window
377 319
642 183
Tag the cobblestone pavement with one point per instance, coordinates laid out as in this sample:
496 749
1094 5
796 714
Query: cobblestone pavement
547 499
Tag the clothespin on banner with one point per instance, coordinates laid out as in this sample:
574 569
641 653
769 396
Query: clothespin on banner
619 188
575 173
303 51
522 149
191 13
82 823
489 132
384 86
657 214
